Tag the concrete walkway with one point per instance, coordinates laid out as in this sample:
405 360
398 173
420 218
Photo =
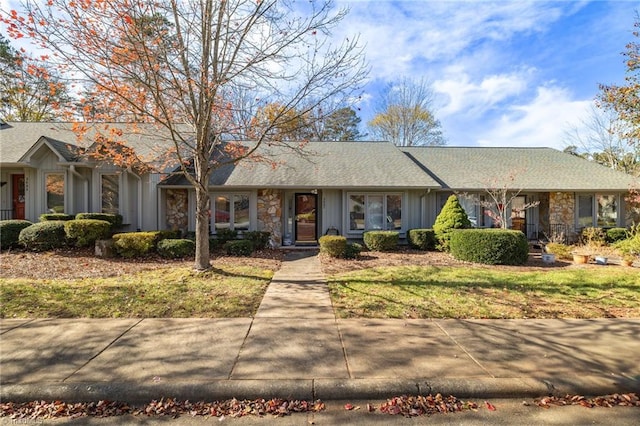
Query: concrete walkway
296 348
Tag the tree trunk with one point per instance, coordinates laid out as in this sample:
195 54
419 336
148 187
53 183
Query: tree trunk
202 262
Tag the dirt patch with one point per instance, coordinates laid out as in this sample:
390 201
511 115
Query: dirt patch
82 263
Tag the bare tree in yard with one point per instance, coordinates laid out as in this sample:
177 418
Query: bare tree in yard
405 115
500 193
598 138
188 67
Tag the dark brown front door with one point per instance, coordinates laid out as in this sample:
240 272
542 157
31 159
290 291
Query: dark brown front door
18 196
305 214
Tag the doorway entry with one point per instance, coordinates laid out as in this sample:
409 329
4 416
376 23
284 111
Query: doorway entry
306 229
17 194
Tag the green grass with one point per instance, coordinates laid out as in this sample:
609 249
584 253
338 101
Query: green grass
454 292
169 292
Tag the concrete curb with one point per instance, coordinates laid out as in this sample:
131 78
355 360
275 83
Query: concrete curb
324 389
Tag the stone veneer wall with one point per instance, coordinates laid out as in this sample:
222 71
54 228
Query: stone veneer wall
270 213
562 210
177 208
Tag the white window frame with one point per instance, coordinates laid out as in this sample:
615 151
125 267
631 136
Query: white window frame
384 196
230 196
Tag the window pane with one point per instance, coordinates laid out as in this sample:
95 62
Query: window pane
607 210
241 212
469 205
394 211
55 193
585 210
374 212
356 212
222 212
110 194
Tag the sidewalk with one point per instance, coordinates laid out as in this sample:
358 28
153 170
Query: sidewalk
296 348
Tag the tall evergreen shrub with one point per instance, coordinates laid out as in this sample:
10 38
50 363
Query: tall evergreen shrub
451 217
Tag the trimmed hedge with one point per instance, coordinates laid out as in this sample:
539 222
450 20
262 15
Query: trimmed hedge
381 240
616 234
352 251
490 246
226 234
56 216
239 248
259 239
176 248
422 239
333 245
114 219
45 235
85 232
135 244
10 232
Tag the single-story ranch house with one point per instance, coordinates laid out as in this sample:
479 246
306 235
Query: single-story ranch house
335 187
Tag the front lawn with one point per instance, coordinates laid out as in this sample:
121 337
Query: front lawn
170 291
480 292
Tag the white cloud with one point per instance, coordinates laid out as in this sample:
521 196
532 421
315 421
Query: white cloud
402 36
474 98
541 123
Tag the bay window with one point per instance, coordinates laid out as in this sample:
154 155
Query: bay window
377 211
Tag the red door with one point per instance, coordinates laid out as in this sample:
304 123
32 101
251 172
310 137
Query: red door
18 196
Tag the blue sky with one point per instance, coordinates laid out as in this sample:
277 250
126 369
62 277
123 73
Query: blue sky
505 73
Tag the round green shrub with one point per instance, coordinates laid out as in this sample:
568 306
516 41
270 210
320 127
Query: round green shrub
85 232
44 236
452 216
490 246
616 234
176 248
333 245
259 239
238 248
135 244
352 250
381 240
114 219
10 231
56 216
422 239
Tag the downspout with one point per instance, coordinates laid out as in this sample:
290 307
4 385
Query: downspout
139 197
85 183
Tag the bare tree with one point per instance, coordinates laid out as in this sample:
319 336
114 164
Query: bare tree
598 138
405 115
500 192
181 64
